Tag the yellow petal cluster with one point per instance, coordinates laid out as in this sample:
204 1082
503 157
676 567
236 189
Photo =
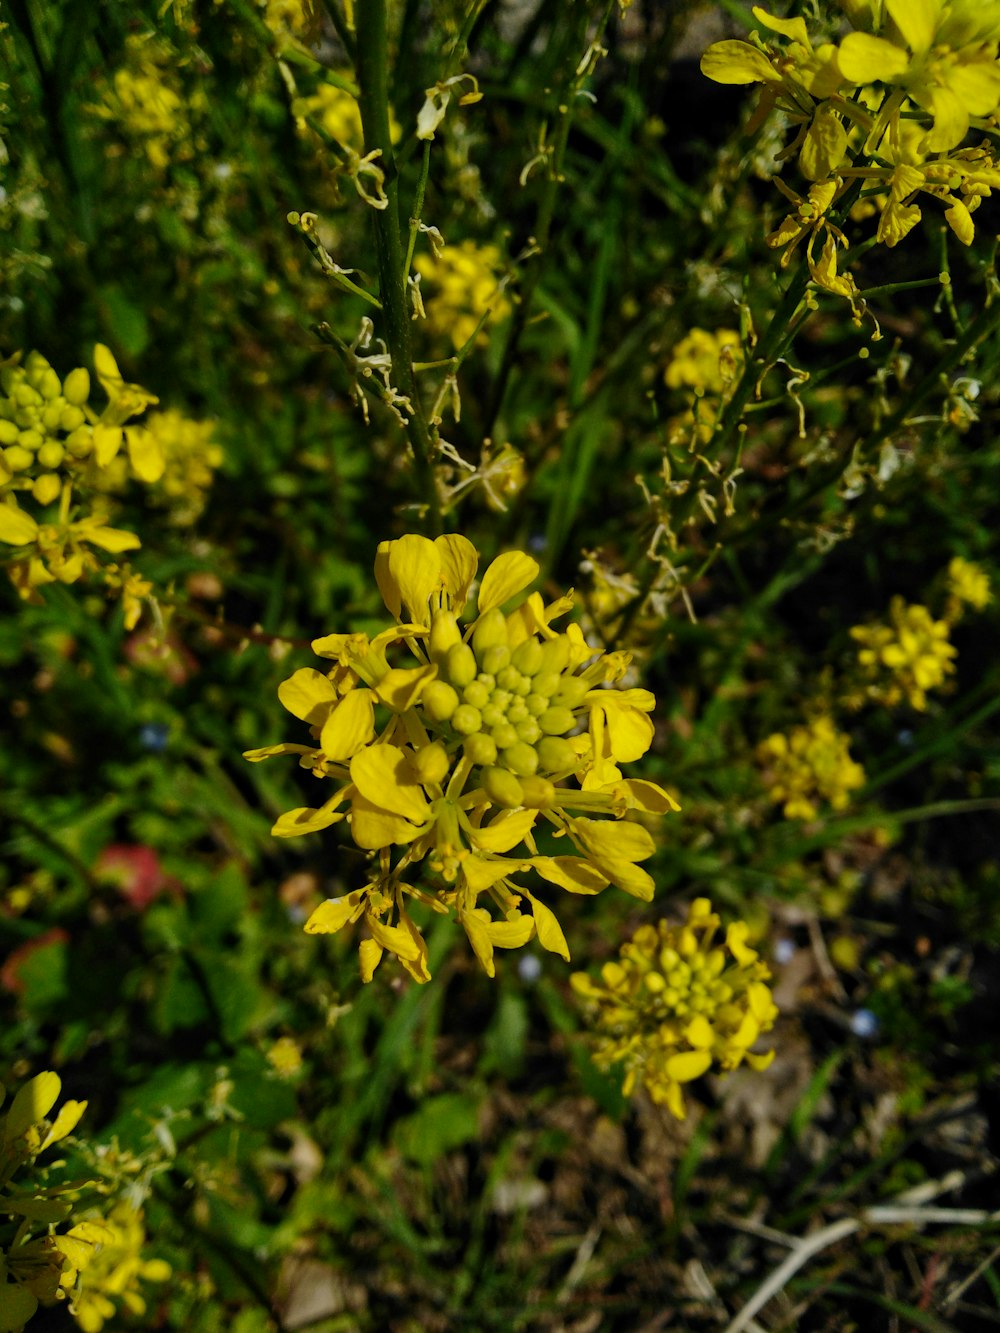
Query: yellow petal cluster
463 285
678 1001
906 656
334 111
809 767
704 366
112 1280
968 585
889 107
446 770
38 1265
55 449
144 100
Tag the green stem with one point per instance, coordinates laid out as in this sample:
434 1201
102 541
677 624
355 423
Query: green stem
373 71
418 204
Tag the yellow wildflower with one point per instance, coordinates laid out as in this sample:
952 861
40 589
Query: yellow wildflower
968 585
464 286
144 101
455 760
678 1002
113 1278
706 362
906 657
285 1056
808 767
336 112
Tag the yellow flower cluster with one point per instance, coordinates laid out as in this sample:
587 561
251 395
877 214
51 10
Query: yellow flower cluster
54 443
464 286
968 585
336 112
678 1002
295 17
809 767
38 1268
112 1278
906 657
888 107
462 759
144 102
706 367
177 454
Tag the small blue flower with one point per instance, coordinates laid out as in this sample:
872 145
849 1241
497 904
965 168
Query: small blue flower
864 1024
529 968
154 736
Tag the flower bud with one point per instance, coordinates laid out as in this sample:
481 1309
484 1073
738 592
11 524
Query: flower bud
51 415
520 759
70 417
480 748
46 488
495 659
527 656
431 763
504 735
439 699
16 458
556 721
555 755
460 665
8 432
537 793
571 691
555 654
528 730
503 788
76 386
490 632
444 635
477 694
466 719
546 683
31 439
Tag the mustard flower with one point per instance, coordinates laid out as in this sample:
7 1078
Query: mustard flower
464 286
678 1002
453 761
336 112
113 1278
706 362
143 99
808 767
968 585
906 657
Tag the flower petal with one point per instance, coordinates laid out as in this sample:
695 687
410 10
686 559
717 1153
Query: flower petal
547 928
867 59
459 562
505 831
573 873
33 1103
335 913
304 820
349 726
383 775
410 575
16 527
508 575
307 694
737 62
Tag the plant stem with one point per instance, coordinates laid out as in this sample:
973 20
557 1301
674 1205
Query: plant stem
372 71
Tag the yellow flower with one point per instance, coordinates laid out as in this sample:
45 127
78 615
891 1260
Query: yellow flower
143 100
906 657
464 286
706 362
940 53
454 761
285 1056
59 550
113 1277
808 767
676 1003
178 456
968 585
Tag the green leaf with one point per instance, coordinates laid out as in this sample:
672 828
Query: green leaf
438 1126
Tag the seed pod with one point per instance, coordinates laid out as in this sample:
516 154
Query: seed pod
490 632
461 665
76 386
480 748
555 755
466 719
556 721
503 788
538 793
520 759
445 634
527 657
439 699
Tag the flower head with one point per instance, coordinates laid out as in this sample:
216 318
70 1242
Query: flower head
906 657
677 1002
809 766
114 1276
968 585
455 760
464 286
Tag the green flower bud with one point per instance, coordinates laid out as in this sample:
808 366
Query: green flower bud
537 793
477 694
439 699
555 655
431 763
536 703
480 748
17 459
523 687
556 721
502 787
51 415
76 386
528 730
490 632
81 442
46 488
555 755
517 712
520 759
25 396
527 656
504 735
546 683
31 439
460 665
70 417
493 715
445 634
495 659
508 678
8 432
466 720
571 691
502 699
